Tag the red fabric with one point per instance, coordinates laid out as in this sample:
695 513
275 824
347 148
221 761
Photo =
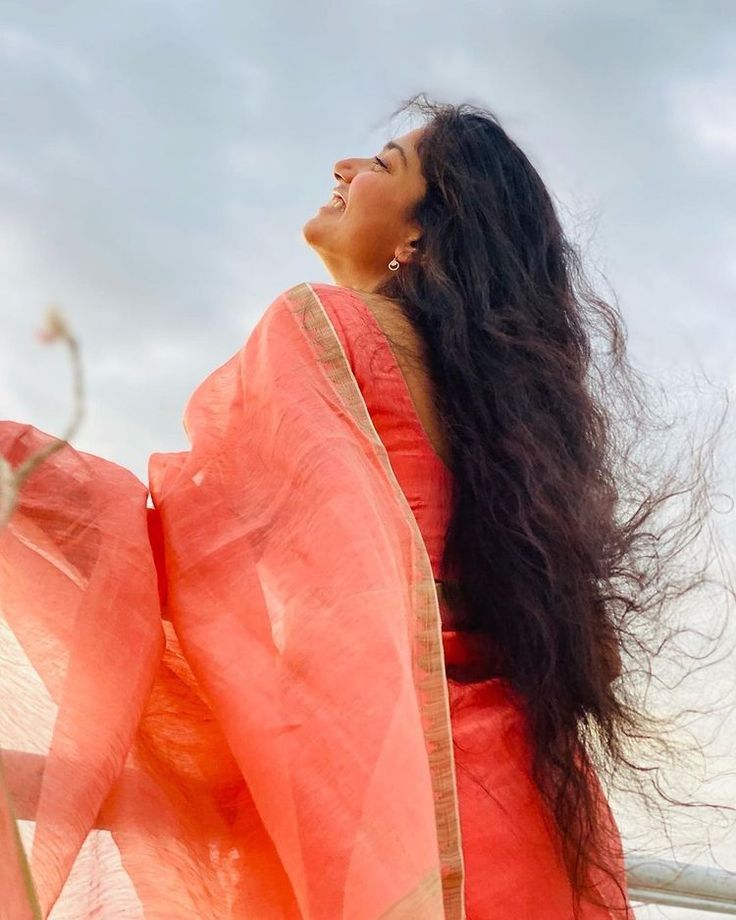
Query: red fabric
512 864
276 741
234 706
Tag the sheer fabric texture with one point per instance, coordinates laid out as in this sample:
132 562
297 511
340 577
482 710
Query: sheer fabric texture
238 703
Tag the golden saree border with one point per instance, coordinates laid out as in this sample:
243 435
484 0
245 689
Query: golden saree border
426 637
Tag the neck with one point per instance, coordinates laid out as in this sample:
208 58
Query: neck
358 278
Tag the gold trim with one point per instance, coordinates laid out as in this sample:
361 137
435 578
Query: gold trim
428 653
418 901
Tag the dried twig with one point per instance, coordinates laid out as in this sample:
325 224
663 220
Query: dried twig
11 479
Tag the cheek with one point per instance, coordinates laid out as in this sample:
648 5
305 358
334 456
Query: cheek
371 201
368 191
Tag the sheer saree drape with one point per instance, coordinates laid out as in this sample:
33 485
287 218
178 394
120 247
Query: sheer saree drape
263 731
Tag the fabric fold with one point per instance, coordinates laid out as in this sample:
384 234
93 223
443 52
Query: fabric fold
238 698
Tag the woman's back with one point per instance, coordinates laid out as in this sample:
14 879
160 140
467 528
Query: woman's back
292 703
398 398
506 838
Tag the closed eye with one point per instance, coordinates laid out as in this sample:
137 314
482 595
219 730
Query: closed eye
380 162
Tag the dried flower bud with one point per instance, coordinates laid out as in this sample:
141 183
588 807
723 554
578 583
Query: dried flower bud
54 326
8 491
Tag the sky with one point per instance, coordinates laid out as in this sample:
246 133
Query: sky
158 161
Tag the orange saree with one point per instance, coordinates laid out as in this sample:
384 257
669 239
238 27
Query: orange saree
237 704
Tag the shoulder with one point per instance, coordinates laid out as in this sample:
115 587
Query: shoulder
331 296
335 295
345 307
298 299
349 306
352 313
320 289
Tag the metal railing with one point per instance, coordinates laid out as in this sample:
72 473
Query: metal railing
673 884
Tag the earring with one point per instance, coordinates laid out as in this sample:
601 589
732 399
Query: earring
394 265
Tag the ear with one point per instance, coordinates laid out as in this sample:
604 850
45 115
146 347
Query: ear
407 250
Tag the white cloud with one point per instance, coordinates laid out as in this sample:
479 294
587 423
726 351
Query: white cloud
157 167
705 110
25 48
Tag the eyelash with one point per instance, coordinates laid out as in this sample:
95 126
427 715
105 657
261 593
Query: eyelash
380 162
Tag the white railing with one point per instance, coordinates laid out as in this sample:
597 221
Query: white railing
672 884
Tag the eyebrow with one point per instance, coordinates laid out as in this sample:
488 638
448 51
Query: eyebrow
390 145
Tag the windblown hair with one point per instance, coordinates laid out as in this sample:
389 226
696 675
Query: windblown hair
552 539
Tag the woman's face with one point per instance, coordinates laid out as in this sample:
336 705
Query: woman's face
367 224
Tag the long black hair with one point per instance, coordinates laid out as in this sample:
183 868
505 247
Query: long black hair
554 541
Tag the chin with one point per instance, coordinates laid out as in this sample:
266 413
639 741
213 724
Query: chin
311 231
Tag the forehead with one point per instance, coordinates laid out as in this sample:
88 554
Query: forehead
409 140
408 143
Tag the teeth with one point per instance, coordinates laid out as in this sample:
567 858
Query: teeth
337 202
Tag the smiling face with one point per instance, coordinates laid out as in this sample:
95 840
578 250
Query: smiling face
368 224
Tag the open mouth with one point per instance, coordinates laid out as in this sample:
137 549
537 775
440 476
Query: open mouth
337 202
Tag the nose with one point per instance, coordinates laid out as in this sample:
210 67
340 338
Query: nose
345 170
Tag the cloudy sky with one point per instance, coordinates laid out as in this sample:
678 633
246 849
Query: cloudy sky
159 159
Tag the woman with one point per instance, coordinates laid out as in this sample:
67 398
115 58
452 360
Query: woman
361 684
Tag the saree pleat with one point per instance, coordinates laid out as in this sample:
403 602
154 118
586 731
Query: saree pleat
234 705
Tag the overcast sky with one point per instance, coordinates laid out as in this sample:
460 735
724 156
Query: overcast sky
158 160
